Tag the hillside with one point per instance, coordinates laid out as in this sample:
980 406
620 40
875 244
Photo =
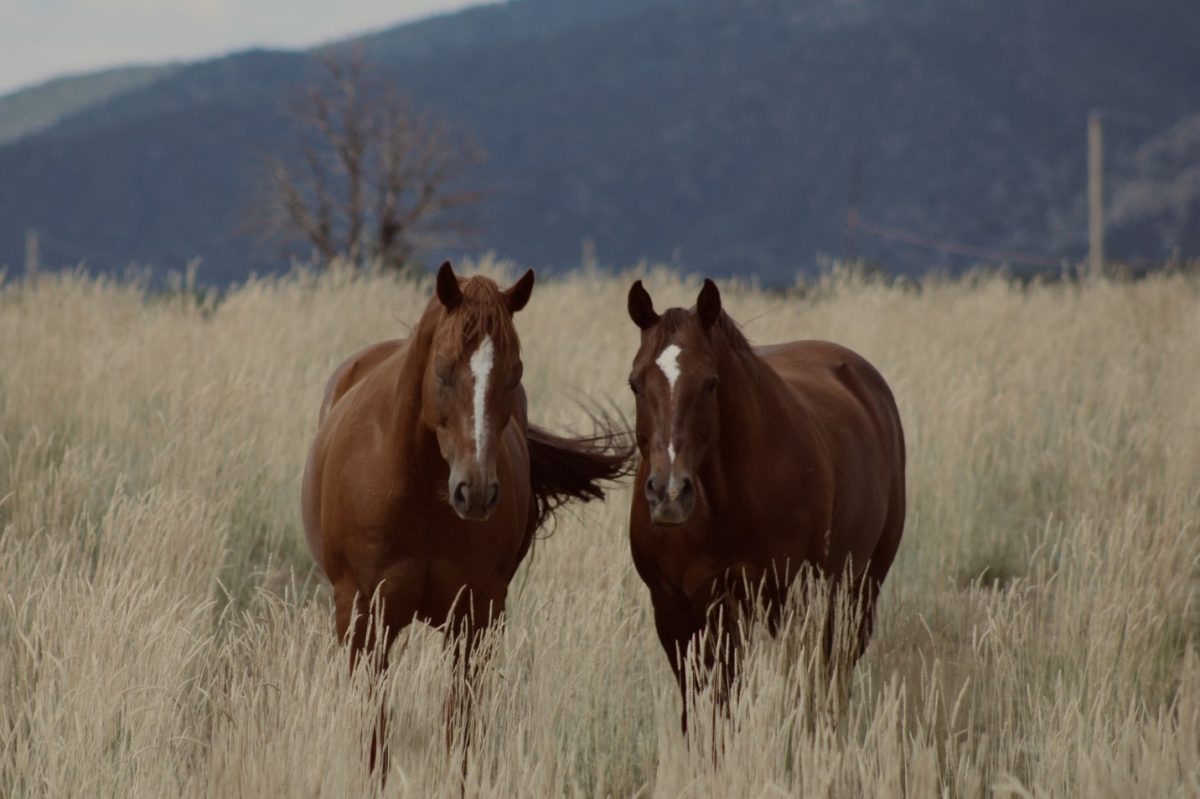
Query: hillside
34 109
719 136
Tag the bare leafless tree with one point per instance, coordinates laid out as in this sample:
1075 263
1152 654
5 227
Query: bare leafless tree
368 176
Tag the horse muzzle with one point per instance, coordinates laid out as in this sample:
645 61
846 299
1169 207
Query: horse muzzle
672 500
474 500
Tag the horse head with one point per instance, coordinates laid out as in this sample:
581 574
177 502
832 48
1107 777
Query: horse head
675 379
472 383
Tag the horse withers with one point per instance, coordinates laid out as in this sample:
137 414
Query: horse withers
426 481
758 464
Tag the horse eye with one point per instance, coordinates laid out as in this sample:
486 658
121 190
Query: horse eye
443 370
633 386
710 385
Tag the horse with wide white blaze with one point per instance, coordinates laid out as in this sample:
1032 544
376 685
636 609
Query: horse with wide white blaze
756 463
426 482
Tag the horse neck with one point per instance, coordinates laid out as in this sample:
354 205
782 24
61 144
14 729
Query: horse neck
416 441
754 403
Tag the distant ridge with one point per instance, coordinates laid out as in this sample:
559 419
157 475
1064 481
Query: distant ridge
33 109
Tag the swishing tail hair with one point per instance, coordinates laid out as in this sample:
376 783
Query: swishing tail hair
563 469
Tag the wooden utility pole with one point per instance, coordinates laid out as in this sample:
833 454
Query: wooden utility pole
1095 195
31 253
852 213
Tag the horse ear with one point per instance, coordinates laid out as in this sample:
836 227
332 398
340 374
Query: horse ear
708 304
518 295
447 287
641 307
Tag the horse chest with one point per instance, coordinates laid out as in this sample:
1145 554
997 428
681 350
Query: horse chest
698 560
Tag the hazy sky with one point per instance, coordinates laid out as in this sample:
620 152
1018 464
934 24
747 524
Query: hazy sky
41 39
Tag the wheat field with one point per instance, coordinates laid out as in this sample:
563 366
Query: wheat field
163 633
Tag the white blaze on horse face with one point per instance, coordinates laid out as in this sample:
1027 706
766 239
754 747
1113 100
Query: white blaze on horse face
481 370
668 362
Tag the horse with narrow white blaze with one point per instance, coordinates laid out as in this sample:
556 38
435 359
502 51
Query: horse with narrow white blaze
426 482
668 362
756 461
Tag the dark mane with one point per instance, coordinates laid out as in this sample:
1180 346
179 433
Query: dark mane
725 333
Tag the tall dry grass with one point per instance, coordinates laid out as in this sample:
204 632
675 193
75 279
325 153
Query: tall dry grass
162 633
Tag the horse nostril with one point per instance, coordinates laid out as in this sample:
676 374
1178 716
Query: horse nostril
460 494
653 492
493 494
685 488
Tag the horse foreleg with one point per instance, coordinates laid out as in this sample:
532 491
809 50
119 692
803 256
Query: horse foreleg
468 624
369 638
677 627
728 613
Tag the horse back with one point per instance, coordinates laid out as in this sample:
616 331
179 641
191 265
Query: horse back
835 382
352 370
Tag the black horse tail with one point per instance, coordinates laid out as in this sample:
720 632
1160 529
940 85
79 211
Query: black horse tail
562 469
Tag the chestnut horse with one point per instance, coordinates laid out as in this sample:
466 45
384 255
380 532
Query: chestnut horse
426 482
756 463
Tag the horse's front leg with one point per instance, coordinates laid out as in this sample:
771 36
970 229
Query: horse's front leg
358 628
465 633
677 627
369 627
722 649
